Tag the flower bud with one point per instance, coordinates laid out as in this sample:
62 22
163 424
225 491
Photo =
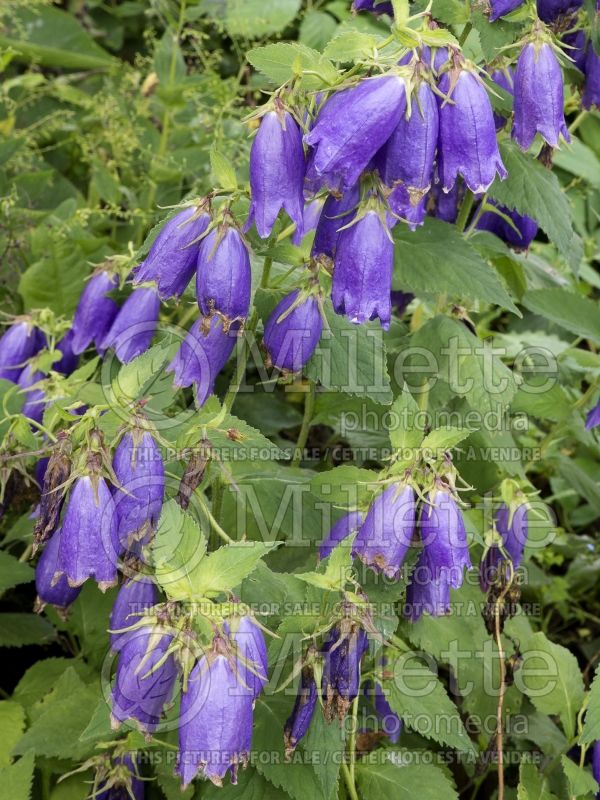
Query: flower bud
223 277
362 275
144 679
138 465
351 127
89 544
291 336
277 173
467 143
539 97
95 311
340 530
337 212
20 342
171 261
387 532
202 356
512 525
215 731
131 333
343 650
135 596
51 474
298 723
50 590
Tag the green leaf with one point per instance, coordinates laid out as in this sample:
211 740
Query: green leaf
17 630
52 38
222 171
349 45
12 725
406 782
351 359
444 439
284 60
581 782
346 486
419 697
557 688
437 259
405 435
13 572
532 786
225 568
591 725
16 779
253 18
177 549
338 568
534 190
580 160
316 29
577 314
39 679
251 785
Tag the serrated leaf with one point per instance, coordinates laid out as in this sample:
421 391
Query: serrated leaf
338 567
350 45
405 435
178 547
253 18
437 259
532 786
17 630
222 171
444 439
225 568
13 572
577 314
317 28
12 725
351 359
406 782
532 189
580 160
581 782
16 779
591 725
346 485
284 60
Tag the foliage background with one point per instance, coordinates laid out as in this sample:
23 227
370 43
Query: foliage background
110 112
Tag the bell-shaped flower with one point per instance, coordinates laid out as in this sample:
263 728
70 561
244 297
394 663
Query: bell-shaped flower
223 276
135 597
339 531
407 206
95 311
446 204
202 355
429 589
550 10
69 359
139 468
293 331
19 343
252 659
134 326
519 233
89 543
51 588
591 88
539 97
144 679
504 79
171 262
337 212
351 127
362 275
444 538
387 532
512 525
467 140
342 651
500 8
409 153
298 723
391 723
35 399
215 729
277 173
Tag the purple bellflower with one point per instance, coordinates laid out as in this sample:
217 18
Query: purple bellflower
340 530
390 721
351 127
467 142
144 679
171 262
500 8
89 543
343 650
387 532
576 48
95 311
591 89
444 538
504 79
311 215
132 331
374 6
362 275
69 360
202 356
401 301
35 399
592 419
138 465
428 591
215 730
293 332
135 596
223 277
122 782
49 590
446 204
252 659
549 10
277 173
520 236
407 206
19 343
539 97
298 722
512 526
337 212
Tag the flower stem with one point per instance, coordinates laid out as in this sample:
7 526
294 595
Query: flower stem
349 782
309 407
465 210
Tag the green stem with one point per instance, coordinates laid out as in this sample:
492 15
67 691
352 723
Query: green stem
352 742
465 34
213 522
349 782
577 121
309 407
465 210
